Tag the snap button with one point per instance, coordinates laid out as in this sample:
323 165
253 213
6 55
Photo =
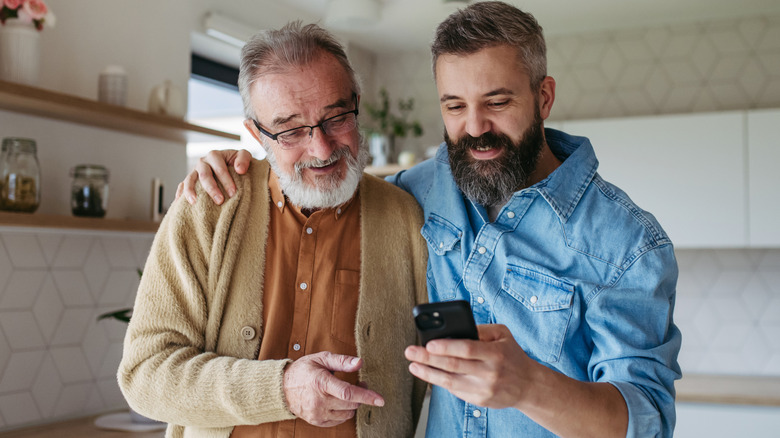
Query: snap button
482 250
510 214
309 230
248 333
279 204
304 286
338 211
480 300
534 299
296 347
477 413
441 244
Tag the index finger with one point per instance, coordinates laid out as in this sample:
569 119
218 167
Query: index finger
351 393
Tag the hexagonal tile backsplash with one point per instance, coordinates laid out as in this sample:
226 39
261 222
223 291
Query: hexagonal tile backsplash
56 360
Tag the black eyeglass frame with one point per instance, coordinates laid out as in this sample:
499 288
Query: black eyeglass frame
311 128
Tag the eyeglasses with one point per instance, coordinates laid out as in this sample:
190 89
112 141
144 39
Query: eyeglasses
335 125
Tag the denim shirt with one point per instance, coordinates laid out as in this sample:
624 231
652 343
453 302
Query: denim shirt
583 278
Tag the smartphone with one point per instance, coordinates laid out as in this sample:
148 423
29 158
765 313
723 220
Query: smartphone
445 319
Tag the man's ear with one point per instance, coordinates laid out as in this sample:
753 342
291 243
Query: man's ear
546 96
249 124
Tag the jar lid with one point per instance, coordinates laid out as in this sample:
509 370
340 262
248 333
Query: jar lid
19 143
89 170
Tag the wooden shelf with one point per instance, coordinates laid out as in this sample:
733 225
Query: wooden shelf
45 103
383 171
735 390
37 220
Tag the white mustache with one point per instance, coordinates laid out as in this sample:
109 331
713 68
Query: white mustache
316 162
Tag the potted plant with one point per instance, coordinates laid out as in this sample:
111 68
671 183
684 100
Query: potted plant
20 24
385 126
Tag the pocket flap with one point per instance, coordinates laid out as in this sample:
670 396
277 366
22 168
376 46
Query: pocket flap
536 291
441 235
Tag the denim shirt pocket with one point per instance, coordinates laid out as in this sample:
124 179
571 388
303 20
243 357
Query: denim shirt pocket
445 269
540 307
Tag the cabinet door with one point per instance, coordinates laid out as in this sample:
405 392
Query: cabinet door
764 179
687 170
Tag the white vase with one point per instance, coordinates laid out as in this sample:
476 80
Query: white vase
19 52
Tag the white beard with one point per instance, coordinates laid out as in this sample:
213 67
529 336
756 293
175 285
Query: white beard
328 191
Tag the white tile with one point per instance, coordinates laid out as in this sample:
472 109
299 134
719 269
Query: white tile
729 283
71 364
94 402
5 352
771 259
755 297
110 393
731 336
734 259
115 330
755 351
110 363
771 333
72 400
21 370
772 365
771 313
119 252
119 286
731 309
771 39
47 387
73 326
96 270
23 250
771 278
21 330
705 321
727 38
48 308
5 266
73 288
685 309
141 247
94 345
19 409
50 243
22 289
73 251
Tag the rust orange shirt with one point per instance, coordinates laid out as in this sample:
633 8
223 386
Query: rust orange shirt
310 296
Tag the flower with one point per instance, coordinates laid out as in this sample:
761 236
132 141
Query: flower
27 11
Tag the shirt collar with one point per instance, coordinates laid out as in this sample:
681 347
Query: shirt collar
564 187
281 201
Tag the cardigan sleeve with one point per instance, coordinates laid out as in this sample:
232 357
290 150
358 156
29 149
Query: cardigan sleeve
167 371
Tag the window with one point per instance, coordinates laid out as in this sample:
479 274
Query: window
214 102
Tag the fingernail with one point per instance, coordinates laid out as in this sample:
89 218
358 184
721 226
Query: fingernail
355 360
231 192
379 402
218 199
191 199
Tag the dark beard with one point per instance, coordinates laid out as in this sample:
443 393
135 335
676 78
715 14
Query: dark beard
492 182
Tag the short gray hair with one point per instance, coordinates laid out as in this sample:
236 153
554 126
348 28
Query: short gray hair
489 24
276 51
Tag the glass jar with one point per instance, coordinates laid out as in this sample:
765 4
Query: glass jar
89 191
20 175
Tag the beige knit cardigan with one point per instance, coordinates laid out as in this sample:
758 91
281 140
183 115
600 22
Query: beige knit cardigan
186 359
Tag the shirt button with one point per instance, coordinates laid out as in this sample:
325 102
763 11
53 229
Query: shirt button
279 204
248 333
477 413
296 347
338 211
482 250
510 214
534 299
304 286
441 244
480 300
309 230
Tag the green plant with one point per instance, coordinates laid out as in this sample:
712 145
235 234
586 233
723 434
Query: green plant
385 122
121 314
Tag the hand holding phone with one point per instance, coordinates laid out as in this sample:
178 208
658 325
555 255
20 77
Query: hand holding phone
445 319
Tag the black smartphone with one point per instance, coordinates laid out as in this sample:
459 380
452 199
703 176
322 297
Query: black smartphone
445 319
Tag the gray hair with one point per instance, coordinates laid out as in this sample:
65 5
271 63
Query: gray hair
488 24
277 51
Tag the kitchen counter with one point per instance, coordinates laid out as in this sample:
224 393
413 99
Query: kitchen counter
739 390
77 428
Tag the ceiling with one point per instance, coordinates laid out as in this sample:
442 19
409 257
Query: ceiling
409 24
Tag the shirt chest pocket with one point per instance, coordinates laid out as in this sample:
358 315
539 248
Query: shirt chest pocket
538 310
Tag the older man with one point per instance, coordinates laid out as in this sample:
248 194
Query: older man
277 313
574 285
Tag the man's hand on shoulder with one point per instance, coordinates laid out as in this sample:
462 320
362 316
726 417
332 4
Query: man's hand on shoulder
212 168
315 395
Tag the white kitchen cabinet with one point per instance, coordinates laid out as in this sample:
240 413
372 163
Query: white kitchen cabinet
763 136
696 420
688 170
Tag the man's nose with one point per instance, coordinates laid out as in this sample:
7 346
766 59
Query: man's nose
320 145
477 124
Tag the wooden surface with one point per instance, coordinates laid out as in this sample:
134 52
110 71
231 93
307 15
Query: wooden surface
740 390
45 103
37 220
78 428
383 171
